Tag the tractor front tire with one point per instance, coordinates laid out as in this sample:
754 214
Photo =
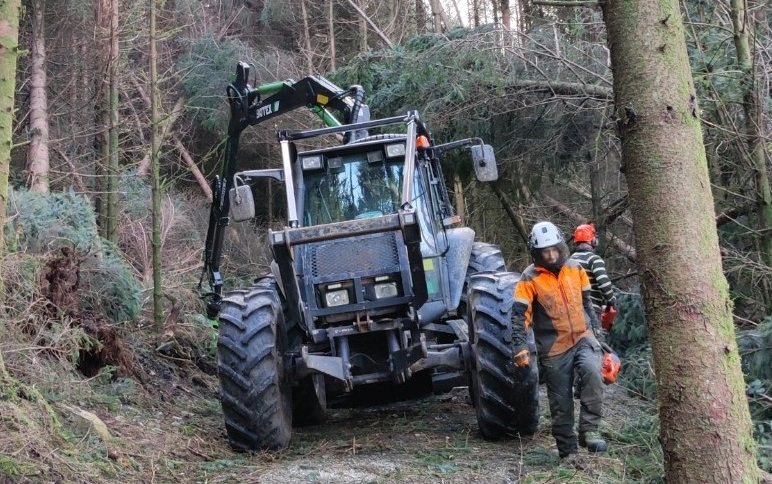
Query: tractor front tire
256 395
506 398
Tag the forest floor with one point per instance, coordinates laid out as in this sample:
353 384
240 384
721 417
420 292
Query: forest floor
169 428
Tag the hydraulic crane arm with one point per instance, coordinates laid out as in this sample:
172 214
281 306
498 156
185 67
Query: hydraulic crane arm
250 106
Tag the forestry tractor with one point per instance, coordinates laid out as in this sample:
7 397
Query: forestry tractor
374 285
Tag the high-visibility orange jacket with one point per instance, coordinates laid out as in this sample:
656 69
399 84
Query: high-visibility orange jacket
557 306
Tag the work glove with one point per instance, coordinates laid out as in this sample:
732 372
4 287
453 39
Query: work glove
522 358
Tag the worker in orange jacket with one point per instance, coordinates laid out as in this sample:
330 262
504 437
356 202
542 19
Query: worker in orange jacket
553 297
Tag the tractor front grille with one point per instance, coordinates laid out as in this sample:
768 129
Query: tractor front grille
372 254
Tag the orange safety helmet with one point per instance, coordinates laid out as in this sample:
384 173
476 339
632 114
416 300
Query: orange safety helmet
584 233
611 367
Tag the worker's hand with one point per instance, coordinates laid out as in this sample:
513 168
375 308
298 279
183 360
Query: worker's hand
522 358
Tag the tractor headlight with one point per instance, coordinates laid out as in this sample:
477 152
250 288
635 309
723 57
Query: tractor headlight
312 162
394 150
384 290
338 297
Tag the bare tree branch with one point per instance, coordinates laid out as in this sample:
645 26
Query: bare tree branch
615 210
730 215
188 159
372 24
567 3
514 217
565 88
622 247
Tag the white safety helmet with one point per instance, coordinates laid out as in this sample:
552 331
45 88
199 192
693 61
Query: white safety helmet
544 234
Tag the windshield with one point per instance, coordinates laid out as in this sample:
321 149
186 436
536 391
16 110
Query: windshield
352 188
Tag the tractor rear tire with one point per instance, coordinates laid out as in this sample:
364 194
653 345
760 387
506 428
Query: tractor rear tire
256 395
506 398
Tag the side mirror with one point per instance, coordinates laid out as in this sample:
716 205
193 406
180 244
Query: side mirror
484 163
242 203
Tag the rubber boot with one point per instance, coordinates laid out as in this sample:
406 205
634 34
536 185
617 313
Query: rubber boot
593 441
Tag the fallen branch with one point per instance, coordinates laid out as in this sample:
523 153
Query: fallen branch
165 130
615 210
513 216
200 178
730 215
624 276
372 24
565 88
566 3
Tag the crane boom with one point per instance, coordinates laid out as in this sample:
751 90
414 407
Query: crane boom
250 106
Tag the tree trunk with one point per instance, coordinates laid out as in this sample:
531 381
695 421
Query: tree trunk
705 426
524 14
505 14
9 51
3 373
101 112
111 228
84 90
155 143
440 18
165 129
755 134
458 197
597 208
476 12
106 116
420 17
331 29
458 12
363 27
307 38
37 153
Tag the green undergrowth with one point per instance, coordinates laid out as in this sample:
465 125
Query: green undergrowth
45 223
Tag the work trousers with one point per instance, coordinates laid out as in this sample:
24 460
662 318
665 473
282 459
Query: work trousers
584 358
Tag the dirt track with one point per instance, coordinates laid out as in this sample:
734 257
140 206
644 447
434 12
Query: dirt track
432 439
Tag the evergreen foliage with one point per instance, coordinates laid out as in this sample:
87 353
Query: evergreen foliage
207 63
465 85
629 331
210 63
46 222
43 222
109 285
